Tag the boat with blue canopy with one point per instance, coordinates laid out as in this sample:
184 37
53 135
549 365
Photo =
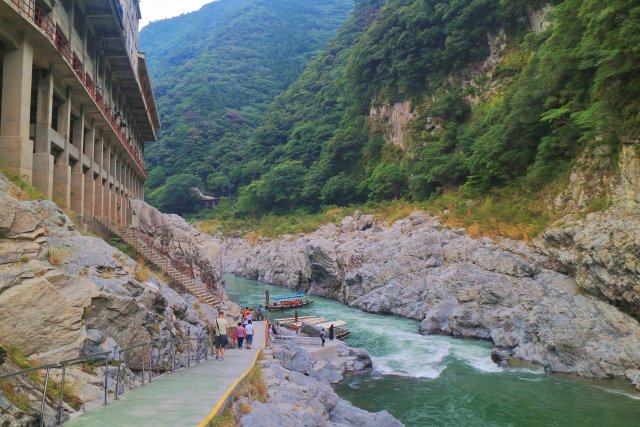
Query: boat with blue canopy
288 302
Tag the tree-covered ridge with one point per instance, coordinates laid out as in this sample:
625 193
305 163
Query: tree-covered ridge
553 92
215 73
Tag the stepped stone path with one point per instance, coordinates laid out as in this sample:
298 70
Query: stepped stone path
184 398
162 262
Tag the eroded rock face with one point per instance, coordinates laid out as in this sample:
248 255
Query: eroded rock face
64 295
602 250
393 121
331 370
181 242
298 397
502 291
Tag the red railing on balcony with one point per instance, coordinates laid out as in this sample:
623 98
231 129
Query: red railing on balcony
38 16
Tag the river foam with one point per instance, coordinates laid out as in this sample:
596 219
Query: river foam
438 380
418 356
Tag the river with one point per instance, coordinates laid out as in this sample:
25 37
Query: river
443 381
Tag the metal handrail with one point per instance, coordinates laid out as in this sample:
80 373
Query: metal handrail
118 355
188 271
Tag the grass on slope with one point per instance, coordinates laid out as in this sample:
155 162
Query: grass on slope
508 213
22 189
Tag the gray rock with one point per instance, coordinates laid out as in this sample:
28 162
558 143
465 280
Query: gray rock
89 302
296 399
186 246
501 291
345 413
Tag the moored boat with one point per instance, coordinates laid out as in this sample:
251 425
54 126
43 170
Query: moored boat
289 302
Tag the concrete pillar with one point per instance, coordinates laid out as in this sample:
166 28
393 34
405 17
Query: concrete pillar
125 193
106 164
107 194
77 175
16 149
89 176
114 187
42 159
120 210
98 211
61 168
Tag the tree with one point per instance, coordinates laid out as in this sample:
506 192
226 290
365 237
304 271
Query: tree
218 184
282 186
340 190
176 195
387 182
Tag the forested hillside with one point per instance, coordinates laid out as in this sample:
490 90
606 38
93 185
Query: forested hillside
416 96
215 72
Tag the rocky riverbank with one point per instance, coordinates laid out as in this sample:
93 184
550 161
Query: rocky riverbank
64 294
300 393
503 291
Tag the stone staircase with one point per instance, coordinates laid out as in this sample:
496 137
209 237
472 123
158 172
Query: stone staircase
163 263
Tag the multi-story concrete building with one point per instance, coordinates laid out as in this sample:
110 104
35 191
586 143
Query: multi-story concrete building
77 104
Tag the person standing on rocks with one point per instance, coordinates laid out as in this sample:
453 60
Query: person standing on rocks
248 329
221 339
322 336
331 333
241 334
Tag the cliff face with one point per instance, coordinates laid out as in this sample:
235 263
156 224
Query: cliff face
553 304
64 295
196 254
300 392
602 249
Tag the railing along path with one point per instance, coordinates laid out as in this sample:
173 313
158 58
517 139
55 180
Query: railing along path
182 274
154 357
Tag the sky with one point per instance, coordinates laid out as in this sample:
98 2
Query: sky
153 10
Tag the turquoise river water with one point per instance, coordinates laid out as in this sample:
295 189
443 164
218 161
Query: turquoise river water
442 381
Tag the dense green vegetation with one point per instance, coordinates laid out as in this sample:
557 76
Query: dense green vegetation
215 73
508 128
520 125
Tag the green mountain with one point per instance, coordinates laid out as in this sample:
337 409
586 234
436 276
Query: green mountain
415 96
215 73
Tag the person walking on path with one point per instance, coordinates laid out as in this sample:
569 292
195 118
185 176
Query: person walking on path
322 336
248 329
234 339
241 334
221 340
331 334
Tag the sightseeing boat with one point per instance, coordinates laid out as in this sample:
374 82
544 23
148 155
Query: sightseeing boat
289 302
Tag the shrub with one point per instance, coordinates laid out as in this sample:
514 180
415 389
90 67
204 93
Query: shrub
21 401
23 189
142 273
56 254
16 356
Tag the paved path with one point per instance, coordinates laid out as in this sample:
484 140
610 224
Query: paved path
184 398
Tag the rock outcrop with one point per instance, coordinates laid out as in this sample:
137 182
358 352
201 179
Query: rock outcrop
185 246
64 295
602 249
300 396
332 370
501 291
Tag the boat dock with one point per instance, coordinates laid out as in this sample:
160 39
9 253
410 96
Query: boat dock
296 323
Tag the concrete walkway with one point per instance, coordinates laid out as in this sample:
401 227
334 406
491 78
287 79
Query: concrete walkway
184 398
